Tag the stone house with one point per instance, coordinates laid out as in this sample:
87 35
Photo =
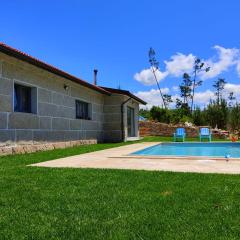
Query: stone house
40 103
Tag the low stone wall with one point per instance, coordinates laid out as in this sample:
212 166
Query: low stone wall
30 148
149 128
162 129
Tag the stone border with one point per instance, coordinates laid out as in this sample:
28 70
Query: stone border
22 149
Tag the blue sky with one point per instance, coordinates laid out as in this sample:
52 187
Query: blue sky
115 36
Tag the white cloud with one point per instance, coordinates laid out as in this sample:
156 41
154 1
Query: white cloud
238 68
203 98
152 97
226 57
175 88
146 76
230 87
222 61
179 64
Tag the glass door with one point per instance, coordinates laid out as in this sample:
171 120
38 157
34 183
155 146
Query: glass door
130 122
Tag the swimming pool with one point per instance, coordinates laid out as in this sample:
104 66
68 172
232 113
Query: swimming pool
218 150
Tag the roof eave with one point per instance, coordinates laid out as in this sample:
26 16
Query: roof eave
126 93
26 58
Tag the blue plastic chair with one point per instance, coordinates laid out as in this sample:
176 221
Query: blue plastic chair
205 133
179 134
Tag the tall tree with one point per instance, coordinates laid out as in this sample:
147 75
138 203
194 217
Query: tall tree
185 93
219 87
155 67
185 88
197 68
167 99
231 98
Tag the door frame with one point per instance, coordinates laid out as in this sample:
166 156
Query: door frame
132 132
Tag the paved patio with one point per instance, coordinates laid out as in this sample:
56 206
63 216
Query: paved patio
117 158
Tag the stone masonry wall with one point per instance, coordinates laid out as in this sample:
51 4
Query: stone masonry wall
112 117
55 119
149 128
161 129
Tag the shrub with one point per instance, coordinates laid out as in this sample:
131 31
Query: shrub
234 118
199 117
217 114
160 114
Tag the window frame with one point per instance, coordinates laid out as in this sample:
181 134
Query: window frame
88 107
33 95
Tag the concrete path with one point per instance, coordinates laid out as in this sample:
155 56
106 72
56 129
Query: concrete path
117 158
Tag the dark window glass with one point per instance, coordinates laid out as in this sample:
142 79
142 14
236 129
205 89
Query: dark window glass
82 111
131 122
22 99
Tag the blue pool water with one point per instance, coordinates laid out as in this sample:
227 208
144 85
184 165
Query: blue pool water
192 149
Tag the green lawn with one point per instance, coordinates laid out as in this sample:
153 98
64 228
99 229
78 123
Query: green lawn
44 203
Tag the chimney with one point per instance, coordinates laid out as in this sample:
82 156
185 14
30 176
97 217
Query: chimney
95 71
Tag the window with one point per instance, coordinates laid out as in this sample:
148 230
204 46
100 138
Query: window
82 110
24 99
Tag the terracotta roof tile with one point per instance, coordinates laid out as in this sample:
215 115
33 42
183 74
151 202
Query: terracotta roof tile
34 61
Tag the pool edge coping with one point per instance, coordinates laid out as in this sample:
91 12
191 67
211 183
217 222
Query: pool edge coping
174 157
